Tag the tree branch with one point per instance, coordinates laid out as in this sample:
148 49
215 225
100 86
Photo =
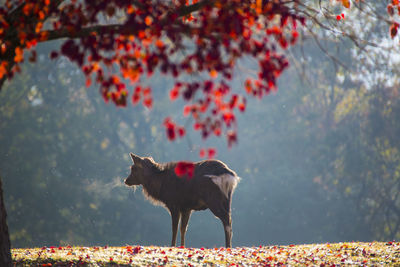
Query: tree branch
119 28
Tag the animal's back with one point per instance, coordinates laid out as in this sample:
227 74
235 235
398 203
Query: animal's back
212 167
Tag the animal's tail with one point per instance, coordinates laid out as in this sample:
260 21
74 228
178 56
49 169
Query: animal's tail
226 182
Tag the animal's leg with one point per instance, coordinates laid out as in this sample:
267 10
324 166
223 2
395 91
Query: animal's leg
175 215
228 232
184 222
223 212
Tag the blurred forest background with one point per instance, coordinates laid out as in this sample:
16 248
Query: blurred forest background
319 159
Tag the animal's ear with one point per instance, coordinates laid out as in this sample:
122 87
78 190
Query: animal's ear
136 159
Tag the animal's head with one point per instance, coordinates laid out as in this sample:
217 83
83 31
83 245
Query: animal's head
140 168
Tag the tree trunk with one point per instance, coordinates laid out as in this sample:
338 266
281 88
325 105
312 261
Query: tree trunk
5 247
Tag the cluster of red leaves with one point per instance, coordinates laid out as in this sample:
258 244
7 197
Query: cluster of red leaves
393 8
141 93
346 4
209 153
21 28
340 17
173 130
151 38
176 38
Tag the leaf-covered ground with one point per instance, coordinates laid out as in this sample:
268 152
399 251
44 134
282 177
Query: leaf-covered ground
354 253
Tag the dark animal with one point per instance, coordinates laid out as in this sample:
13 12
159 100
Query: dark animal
211 186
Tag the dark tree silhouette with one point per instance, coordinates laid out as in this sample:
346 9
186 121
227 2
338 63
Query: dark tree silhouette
5 255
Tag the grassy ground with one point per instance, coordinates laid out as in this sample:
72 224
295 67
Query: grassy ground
370 254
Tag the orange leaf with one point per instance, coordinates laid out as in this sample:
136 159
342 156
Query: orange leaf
43 36
148 20
159 44
19 54
259 6
346 3
88 82
27 9
131 9
39 26
213 73
3 69
148 102
41 15
3 48
248 86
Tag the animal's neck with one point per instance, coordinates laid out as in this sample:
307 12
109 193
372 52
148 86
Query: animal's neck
153 182
152 186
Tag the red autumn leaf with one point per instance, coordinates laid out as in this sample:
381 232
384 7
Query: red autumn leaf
171 134
137 249
295 36
233 101
148 102
170 129
138 89
197 126
147 91
393 30
186 110
283 42
248 86
181 131
232 138
184 168
174 93
202 153
217 131
135 98
211 153
88 82
228 118
242 105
